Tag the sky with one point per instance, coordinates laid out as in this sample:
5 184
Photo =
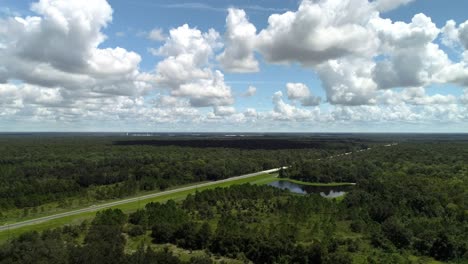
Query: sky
234 66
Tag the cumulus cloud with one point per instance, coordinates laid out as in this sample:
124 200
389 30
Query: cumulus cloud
388 5
53 67
76 24
415 96
170 101
450 36
454 36
251 91
373 113
300 91
286 112
250 112
60 48
334 38
318 31
191 41
40 104
464 97
240 37
311 101
156 34
185 70
297 91
341 40
224 110
413 58
463 34
348 82
457 38
207 92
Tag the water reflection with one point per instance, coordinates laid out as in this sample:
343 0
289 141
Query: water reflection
324 191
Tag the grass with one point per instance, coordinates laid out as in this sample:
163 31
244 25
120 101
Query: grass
133 206
14 216
127 208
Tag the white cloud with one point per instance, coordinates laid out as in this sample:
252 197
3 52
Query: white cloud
240 37
318 31
75 23
333 38
118 61
185 70
300 91
388 5
170 101
286 112
463 34
60 48
450 34
341 39
250 112
251 91
415 96
207 92
297 91
348 82
224 110
373 113
54 67
464 97
156 34
454 36
191 41
39 103
414 60
311 101
175 71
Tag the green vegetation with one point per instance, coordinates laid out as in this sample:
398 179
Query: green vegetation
409 198
222 221
43 175
128 207
328 184
409 205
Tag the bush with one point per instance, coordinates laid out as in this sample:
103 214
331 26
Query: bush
136 230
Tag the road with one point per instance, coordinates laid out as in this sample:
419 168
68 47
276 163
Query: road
129 200
143 197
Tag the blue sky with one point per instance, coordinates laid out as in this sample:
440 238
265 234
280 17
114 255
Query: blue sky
319 68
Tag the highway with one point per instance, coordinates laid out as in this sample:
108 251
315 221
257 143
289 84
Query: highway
124 201
147 196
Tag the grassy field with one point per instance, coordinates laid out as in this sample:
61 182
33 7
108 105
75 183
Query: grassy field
129 207
13 215
133 206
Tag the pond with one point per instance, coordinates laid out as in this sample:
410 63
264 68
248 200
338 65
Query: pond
324 191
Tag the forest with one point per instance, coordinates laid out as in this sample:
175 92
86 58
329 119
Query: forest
38 173
409 205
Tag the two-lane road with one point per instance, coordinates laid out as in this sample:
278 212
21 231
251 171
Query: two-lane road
147 196
125 201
